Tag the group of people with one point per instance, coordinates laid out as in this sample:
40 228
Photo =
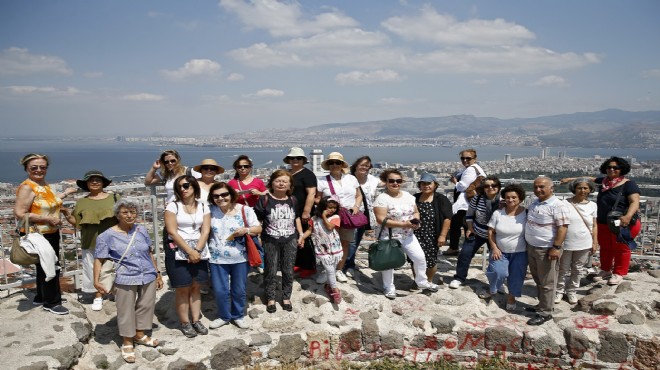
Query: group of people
296 220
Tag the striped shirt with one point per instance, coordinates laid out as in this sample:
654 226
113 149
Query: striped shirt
543 220
479 214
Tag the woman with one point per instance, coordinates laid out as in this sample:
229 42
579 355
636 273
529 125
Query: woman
368 185
35 198
435 218
281 236
347 189
249 188
209 168
137 277
304 191
228 261
93 214
403 218
508 249
581 239
462 180
188 222
164 170
480 209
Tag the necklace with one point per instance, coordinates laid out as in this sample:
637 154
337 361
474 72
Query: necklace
192 215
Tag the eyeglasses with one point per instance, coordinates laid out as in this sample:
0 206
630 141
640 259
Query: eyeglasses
208 168
424 183
221 195
127 213
243 166
297 158
395 181
466 158
490 186
95 179
334 163
613 168
185 186
34 168
171 161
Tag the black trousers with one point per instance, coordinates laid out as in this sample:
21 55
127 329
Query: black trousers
457 222
49 292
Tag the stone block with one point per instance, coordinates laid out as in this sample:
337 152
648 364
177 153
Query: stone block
187 365
503 339
350 341
647 354
229 354
625 286
606 308
471 340
392 341
633 318
318 345
577 343
613 347
370 335
260 339
288 349
539 343
443 325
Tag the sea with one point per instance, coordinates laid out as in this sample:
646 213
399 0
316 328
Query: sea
127 160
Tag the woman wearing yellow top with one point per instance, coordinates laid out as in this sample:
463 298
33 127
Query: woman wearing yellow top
35 198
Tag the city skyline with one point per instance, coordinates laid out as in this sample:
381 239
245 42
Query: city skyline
171 68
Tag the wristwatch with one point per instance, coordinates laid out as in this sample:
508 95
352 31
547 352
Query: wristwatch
557 247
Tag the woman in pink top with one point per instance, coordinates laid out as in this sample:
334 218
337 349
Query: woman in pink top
249 188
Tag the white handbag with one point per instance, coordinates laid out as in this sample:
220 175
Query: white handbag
109 268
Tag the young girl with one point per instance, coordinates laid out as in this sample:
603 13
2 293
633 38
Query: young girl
323 229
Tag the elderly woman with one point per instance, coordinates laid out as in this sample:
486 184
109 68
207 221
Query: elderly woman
481 207
36 199
462 180
164 170
188 222
249 188
281 236
137 277
228 261
435 218
93 214
347 188
209 168
508 249
399 208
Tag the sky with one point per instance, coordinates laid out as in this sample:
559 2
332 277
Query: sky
197 68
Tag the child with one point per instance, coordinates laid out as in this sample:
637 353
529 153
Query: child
327 246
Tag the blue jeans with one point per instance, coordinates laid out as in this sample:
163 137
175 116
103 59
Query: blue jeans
352 249
513 267
470 248
229 284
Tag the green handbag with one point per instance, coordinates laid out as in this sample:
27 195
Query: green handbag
386 254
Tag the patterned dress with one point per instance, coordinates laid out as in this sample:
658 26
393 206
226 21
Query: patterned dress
425 233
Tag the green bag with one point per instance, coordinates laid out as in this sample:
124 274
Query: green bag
386 254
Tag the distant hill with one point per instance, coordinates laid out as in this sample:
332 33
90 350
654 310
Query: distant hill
607 128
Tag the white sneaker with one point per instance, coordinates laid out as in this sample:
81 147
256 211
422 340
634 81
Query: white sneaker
559 297
455 284
350 273
390 295
241 323
602 275
572 298
429 286
218 323
321 277
341 277
97 304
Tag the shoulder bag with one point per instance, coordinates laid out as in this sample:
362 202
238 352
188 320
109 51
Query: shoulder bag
251 242
18 254
109 268
471 190
347 219
386 254
613 216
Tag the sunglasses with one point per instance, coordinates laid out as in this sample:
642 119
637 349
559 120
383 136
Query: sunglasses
466 158
491 186
334 163
395 181
221 195
208 168
34 168
243 166
171 161
613 168
297 158
185 186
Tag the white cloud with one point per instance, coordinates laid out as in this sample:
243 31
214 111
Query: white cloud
285 19
265 93
430 26
47 90
653 73
193 68
551 81
339 39
143 97
17 61
261 55
364 78
235 77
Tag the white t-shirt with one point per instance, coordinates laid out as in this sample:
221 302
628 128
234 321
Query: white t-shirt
346 189
225 251
578 237
398 209
370 188
186 221
509 231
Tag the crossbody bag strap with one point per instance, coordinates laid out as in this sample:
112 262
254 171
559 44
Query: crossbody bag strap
130 243
382 226
240 188
581 216
244 218
618 199
332 188
26 224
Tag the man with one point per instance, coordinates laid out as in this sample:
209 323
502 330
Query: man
547 222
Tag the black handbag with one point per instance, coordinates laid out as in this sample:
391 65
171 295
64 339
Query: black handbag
386 254
613 216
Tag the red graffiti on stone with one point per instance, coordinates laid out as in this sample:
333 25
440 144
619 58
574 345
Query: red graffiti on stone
592 322
351 314
508 320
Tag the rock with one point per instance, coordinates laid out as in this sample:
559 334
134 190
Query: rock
654 273
347 297
606 308
284 323
150 355
168 351
398 310
101 361
350 341
471 340
370 335
229 354
391 341
503 339
67 356
41 365
613 347
443 325
539 343
647 354
336 323
576 342
83 331
633 318
425 342
182 364
260 339
318 343
448 299
625 286
309 299
419 323
371 314
288 349
254 313
320 301
316 319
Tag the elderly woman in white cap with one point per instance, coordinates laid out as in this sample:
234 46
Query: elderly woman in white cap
304 190
347 188
209 168
93 214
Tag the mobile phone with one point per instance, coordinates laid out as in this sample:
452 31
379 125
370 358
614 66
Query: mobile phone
414 221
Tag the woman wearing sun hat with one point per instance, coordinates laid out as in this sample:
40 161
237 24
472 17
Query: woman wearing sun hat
209 168
304 191
346 188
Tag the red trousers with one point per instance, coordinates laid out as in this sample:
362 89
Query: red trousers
615 256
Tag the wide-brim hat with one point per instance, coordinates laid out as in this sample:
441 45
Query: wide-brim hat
82 183
295 152
427 177
334 156
209 162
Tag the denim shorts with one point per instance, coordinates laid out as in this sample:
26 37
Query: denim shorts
182 273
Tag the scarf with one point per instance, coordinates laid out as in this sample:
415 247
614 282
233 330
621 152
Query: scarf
611 183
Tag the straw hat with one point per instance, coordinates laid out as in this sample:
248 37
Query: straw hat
82 183
209 162
334 156
295 152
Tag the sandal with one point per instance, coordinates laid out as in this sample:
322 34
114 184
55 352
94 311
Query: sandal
128 356
146 341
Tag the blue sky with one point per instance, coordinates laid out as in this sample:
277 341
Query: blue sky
215 67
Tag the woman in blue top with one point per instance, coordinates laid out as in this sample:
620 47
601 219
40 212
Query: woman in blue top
137 276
